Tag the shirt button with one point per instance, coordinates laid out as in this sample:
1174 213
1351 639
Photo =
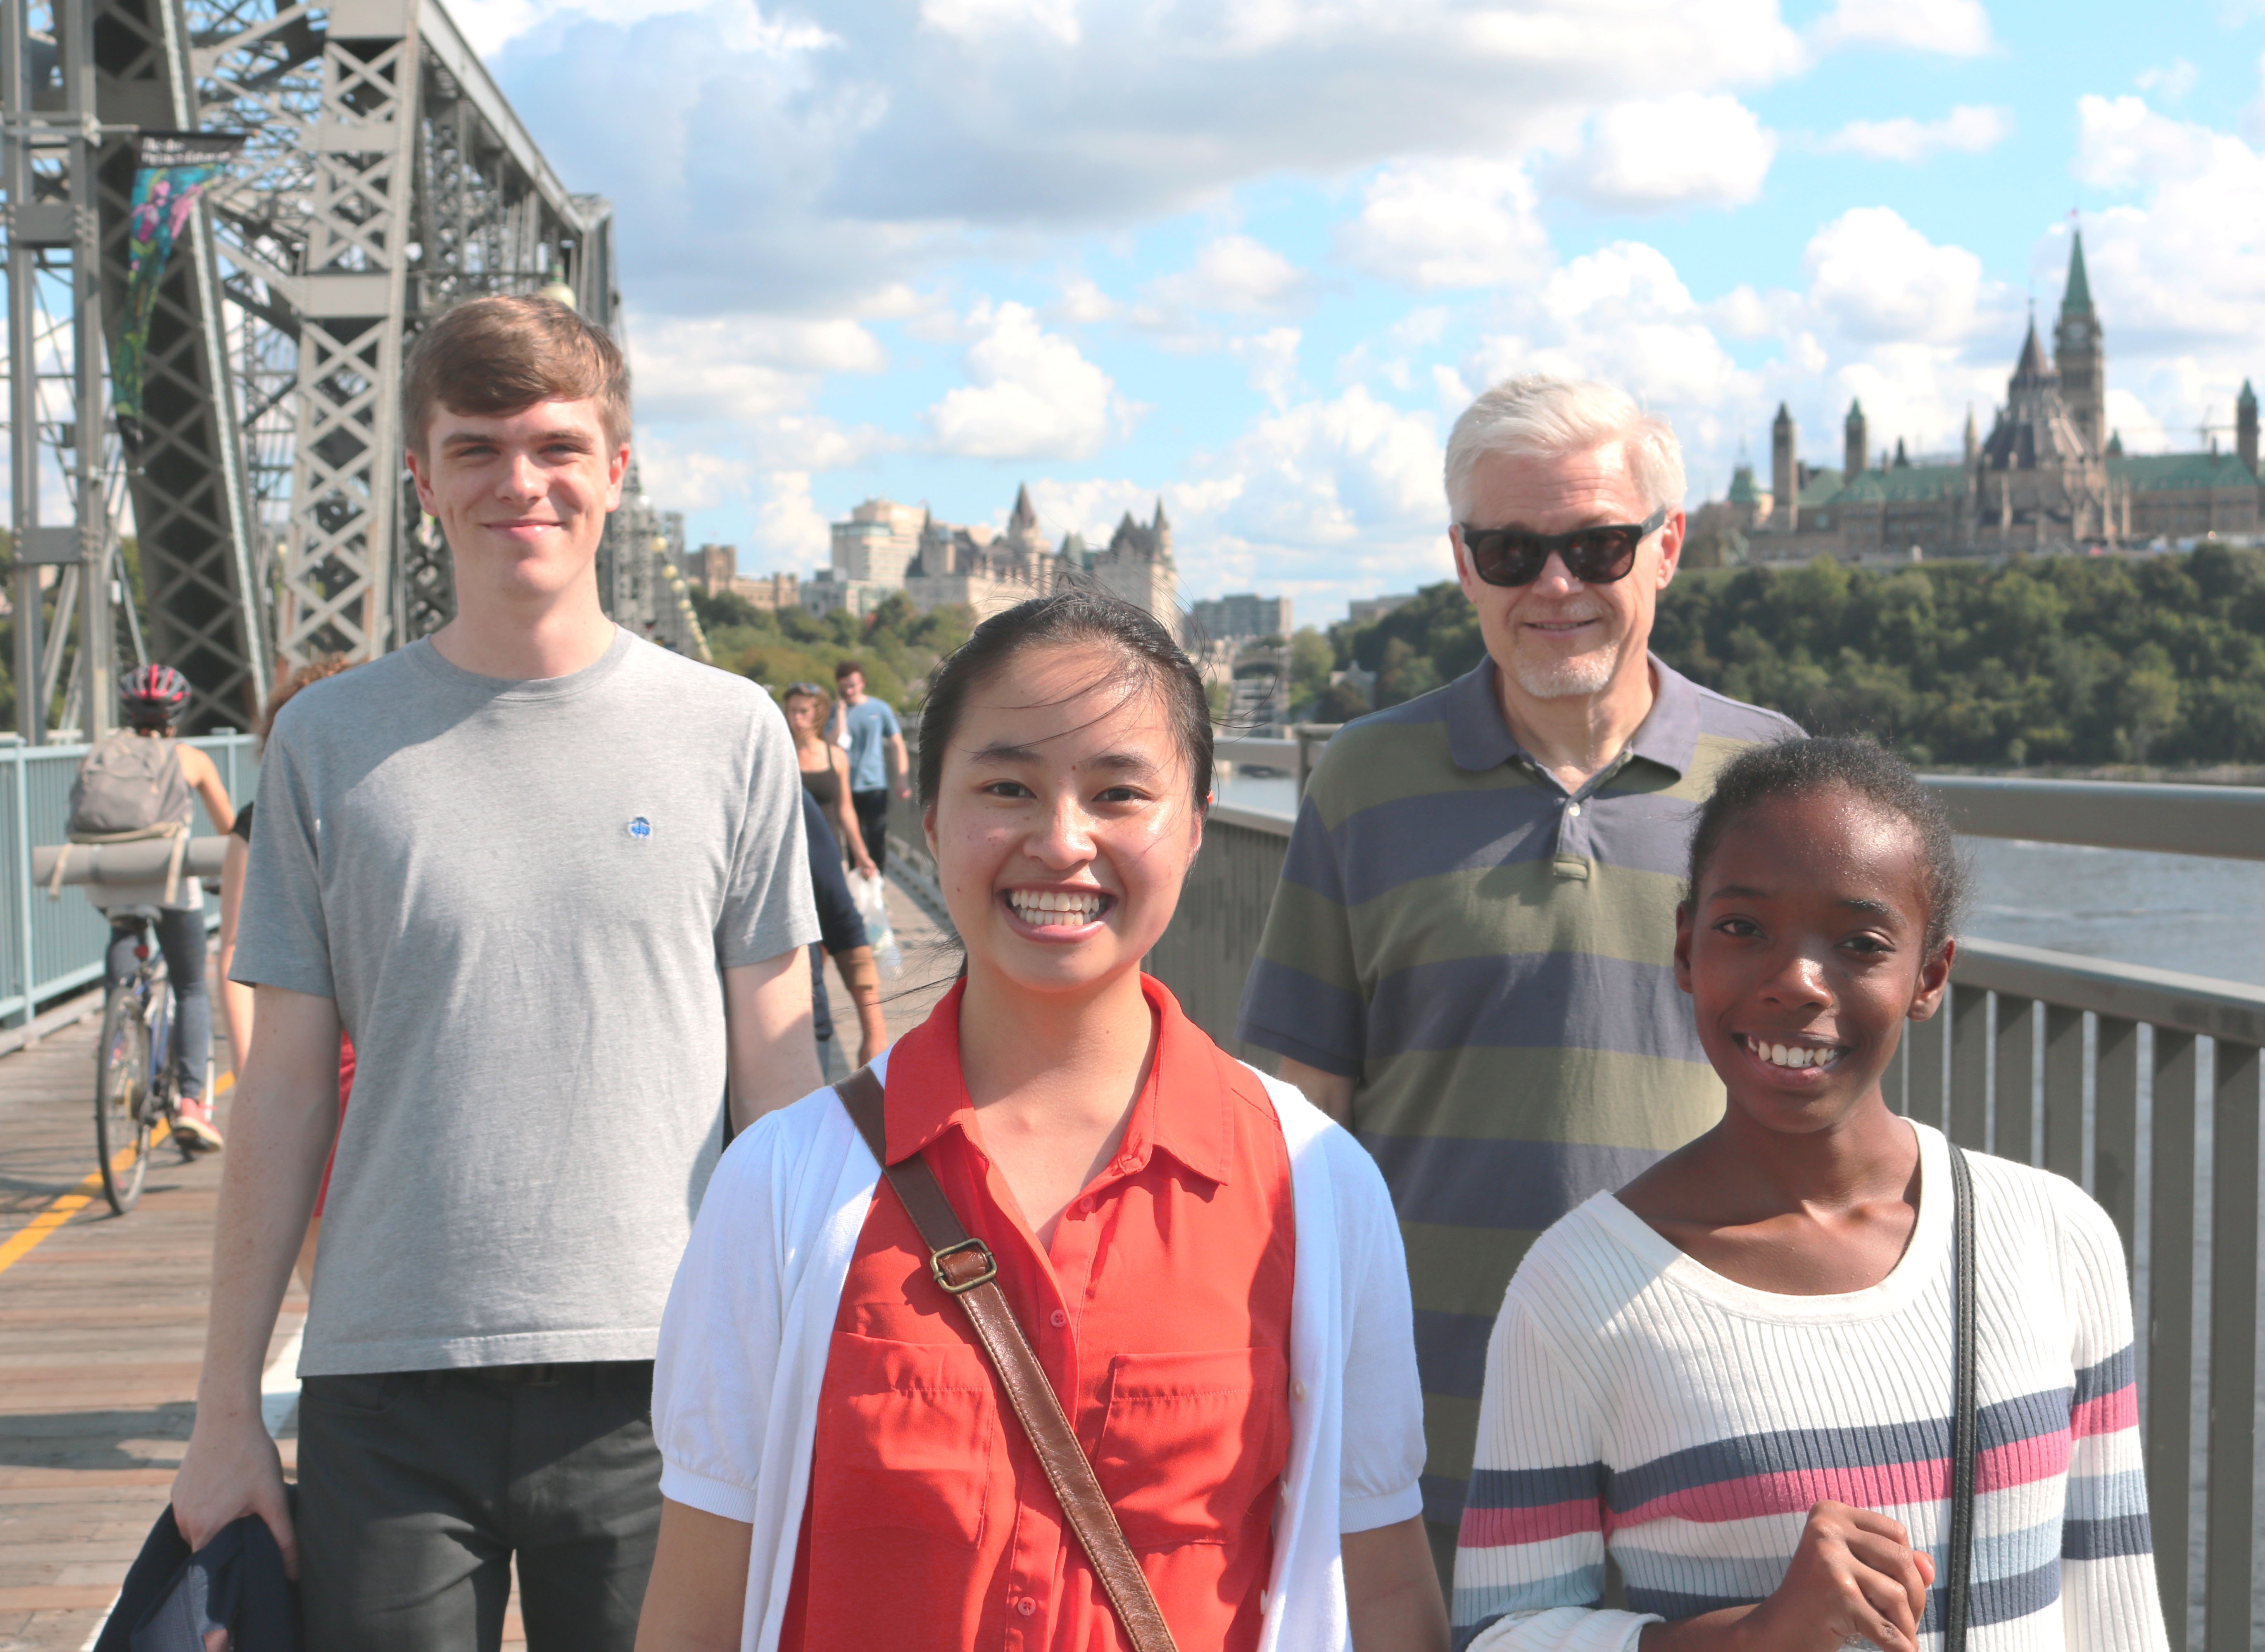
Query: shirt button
1058 1318
1297 1391
1026 1605
1085 1207
1573 809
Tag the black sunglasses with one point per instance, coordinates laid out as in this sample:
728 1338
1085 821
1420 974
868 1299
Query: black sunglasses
1594 555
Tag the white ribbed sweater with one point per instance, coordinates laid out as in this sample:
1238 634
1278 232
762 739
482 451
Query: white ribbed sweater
1638 1401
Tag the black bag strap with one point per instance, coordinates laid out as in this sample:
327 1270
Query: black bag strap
1958 1584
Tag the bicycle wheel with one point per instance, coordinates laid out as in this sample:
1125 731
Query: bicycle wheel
121 1083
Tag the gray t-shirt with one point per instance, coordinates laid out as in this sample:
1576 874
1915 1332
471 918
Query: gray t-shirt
522 895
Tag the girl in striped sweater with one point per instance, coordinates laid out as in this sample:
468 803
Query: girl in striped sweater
1734 1376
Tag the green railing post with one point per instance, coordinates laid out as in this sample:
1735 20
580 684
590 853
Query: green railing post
18 757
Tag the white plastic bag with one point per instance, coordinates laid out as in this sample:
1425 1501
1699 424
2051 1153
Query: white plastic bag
873 906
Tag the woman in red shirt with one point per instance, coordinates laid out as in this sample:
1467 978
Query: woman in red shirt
1241 1379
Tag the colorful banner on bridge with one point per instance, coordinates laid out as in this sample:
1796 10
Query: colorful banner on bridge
170 171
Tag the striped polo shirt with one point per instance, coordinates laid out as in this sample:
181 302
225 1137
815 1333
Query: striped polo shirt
1492 959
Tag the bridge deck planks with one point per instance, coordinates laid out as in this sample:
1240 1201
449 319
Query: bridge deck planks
102 1327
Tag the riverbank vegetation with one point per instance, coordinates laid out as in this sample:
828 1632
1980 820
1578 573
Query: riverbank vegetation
2067 661
896 645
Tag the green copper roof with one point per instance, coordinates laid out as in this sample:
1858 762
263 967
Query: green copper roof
1904 482
2077 301
2177 472
2247 398
1742 486
1822 488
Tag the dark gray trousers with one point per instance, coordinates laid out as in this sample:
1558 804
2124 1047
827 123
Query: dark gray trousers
416 1489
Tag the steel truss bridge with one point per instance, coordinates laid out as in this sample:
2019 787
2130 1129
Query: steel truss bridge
383 178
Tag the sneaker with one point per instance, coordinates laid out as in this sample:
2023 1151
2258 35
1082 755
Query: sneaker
193 1122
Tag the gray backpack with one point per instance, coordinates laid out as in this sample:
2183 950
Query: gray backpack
128 786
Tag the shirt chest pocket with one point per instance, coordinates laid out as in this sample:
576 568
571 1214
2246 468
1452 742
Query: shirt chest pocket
1193 1444
906 1436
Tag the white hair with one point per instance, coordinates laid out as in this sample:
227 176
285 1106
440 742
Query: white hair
1539 416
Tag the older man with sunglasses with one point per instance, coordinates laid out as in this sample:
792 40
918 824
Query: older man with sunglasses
1470 954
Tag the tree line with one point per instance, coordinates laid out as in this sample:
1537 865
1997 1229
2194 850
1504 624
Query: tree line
2033 661
897 645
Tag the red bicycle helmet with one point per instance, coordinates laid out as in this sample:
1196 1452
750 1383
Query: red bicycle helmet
153 694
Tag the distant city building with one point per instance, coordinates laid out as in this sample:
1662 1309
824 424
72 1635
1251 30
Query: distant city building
1242 616
885 548
1368 610
2041 481
717 569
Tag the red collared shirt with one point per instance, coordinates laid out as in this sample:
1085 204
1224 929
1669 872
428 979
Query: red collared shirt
1161 1314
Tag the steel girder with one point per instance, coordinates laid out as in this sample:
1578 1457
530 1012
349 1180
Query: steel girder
385 179
191 510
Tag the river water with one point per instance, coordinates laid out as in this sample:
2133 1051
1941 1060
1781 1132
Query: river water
2173 912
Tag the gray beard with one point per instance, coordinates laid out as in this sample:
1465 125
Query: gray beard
1564 679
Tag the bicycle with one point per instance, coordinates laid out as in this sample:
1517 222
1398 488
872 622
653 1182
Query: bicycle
136 1082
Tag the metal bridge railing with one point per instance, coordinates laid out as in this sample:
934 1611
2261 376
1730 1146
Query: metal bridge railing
2140 1084
47 947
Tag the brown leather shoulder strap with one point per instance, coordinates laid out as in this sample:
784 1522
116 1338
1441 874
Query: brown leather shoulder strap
963 1266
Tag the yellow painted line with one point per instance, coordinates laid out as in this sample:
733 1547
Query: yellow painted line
28 1238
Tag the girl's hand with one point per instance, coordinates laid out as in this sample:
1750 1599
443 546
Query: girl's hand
1856 1573
866 867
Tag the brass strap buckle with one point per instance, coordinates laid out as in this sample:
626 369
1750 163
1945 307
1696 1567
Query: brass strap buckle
962 1287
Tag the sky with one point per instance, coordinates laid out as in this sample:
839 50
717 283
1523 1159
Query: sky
1252 258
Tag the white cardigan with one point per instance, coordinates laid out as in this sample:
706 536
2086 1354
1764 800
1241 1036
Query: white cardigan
743 1348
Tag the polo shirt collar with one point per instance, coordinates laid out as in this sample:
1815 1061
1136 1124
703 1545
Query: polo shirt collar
1478 739
1185 1110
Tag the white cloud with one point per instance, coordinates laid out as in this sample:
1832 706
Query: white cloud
1436 224
2175 268
1231 274
1967 130
689 478
790 525
1030 396
1692 149
1082 300
785 165
1273 358
975 19
1956 28
1621 314
742 367
1877 279
1332 472
2174 80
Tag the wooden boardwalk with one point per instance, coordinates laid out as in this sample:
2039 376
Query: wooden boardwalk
102 1330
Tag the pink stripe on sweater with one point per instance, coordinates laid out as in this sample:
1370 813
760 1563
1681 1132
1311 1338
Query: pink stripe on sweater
2109 1414
1862 1486
1497 1528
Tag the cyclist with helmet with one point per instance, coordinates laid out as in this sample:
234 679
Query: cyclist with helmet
152 697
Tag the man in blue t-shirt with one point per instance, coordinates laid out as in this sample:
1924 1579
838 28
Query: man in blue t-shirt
865 724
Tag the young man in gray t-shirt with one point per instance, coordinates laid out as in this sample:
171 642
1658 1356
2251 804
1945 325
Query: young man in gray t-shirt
552 881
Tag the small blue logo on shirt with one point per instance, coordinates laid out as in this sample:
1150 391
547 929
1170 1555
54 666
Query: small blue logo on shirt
640 828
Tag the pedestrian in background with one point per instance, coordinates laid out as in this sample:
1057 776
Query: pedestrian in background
553 882
236 1000
1469 959
826 770
842 933
869 727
